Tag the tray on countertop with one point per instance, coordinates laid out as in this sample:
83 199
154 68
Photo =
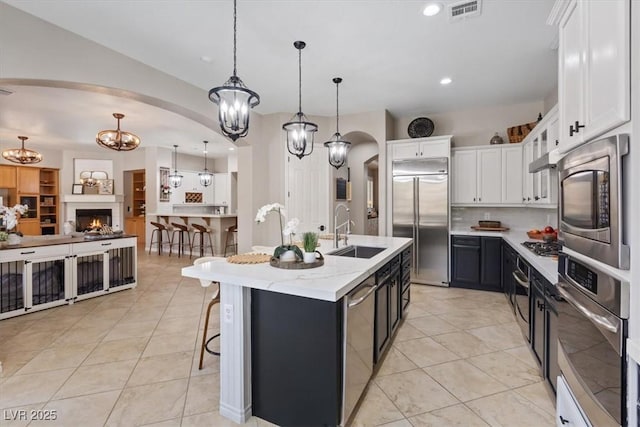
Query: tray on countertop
478 228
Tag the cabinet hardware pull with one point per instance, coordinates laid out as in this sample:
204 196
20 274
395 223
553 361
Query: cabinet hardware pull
564 420
479 199
474 199
27 252
537 198
578 126
106 244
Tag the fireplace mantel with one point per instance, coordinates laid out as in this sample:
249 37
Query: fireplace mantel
94 201
92 198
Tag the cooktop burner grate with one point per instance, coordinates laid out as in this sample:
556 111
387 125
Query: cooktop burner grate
543 249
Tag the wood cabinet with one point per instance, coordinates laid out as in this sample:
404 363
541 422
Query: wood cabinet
136 226
594 69
138 192
8 177
476 262
49 201
28 180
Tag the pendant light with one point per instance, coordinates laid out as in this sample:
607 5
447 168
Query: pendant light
337 145
206 177
117 139
175 179
234 99
300 132
22 155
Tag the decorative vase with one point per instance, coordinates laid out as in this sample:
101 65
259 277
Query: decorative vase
496 139
310 257
288 256
14 239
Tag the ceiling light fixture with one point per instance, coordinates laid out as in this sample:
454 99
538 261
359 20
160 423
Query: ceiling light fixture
206 177
300 132
432 9
118 140
22 155
175 179
337 145
445 81
234 99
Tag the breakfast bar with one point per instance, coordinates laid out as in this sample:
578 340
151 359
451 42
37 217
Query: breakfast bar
282 301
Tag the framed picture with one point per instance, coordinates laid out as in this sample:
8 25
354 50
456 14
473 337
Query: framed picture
165 190
105 186
77 189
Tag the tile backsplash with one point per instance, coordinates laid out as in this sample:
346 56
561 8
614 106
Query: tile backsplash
515 218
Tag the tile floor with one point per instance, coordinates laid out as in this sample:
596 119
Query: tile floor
130 359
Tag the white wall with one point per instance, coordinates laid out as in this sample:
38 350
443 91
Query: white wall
358 155
514 218
476 126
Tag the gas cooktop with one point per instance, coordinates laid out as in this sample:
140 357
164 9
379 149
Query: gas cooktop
543 249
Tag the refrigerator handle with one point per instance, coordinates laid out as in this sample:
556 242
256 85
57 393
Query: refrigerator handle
416 223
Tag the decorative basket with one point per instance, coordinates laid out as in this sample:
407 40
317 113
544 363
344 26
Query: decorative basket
520 132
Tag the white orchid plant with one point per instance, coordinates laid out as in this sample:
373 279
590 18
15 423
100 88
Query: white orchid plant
10 215
289 230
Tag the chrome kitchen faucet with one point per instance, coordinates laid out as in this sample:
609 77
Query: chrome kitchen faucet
337 227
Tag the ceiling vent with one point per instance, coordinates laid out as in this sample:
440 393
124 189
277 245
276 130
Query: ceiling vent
5 92
464 9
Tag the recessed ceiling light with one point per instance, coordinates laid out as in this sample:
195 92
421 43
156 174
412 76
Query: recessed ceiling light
206 58
432 9
446 81
231 148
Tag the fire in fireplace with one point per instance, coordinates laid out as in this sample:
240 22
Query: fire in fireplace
92 219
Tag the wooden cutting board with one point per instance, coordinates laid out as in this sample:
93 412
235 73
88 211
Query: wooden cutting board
478 228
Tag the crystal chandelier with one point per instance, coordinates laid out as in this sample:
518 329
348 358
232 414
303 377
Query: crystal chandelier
118 140
206 177
300 132
337 145
22 155
175 179
234 99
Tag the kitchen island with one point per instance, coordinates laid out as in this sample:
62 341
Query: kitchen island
289 300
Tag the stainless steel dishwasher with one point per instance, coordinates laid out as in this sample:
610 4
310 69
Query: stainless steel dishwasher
358 344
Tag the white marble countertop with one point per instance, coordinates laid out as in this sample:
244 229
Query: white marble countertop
330 282
547 266
193 215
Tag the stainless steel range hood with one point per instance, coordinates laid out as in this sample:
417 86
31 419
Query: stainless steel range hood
546 161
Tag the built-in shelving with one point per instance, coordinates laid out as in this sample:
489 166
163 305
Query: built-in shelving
49 201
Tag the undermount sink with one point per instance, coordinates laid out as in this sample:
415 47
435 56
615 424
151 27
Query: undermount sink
354 251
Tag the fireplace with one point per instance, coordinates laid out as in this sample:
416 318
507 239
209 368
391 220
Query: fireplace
91 219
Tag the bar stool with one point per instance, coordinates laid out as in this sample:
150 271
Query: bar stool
181 229
157 233
214 300
232 233
200 232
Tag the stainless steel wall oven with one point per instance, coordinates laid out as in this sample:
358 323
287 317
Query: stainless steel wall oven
592 330
591 211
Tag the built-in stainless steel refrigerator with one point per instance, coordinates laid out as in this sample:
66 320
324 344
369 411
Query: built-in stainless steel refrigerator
421 211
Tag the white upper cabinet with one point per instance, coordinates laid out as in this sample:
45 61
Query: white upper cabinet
594 69
437 146
463 176
221 191
512 174
489 183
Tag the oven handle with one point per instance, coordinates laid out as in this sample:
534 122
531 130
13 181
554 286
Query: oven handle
516 275
599 320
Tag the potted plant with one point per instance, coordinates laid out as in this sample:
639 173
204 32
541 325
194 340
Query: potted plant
309 242
283 252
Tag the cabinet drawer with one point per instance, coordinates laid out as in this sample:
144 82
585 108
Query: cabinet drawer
466 240
103 245
34 253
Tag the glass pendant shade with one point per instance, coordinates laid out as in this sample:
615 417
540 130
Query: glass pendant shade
337 145
117 139
300 131
234 99
206 177
22 155
175 179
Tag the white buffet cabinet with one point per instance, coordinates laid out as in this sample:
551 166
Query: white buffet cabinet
36 277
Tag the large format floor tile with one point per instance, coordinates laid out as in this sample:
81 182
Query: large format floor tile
464 381
503 409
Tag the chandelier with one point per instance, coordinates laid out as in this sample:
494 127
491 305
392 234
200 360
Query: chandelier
337 145
300 132
91 178
234 99
22 155
206 177
118 140
175 179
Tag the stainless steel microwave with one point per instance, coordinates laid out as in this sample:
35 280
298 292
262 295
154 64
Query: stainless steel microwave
591 202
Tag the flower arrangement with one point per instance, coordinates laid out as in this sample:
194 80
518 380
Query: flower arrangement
289 230
165 189
10 215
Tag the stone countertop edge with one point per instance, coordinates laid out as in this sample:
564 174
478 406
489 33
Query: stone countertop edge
192 215
35 242
546 266
330 282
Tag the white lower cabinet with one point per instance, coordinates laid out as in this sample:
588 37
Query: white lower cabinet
568 413
37 278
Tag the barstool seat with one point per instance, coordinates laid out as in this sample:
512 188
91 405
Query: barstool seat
199 233
214 300
232 234
157 233
181 229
